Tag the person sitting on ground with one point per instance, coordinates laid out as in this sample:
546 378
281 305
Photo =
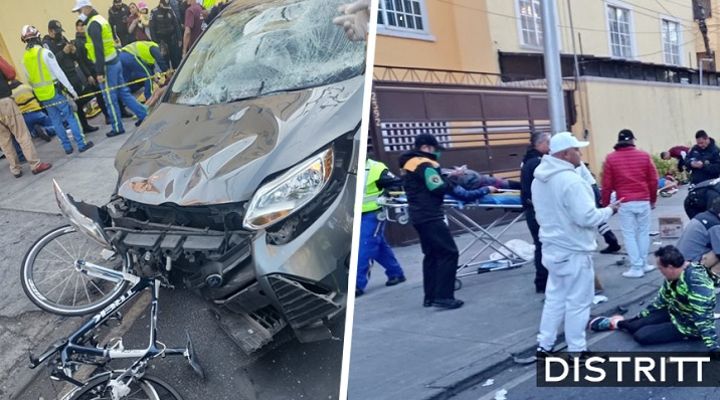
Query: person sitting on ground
679 153
667 186
701 234
683 308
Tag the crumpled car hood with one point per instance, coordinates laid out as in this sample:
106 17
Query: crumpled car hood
204 155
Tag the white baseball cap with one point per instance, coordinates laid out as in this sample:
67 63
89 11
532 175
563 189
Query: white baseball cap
563 141
80 4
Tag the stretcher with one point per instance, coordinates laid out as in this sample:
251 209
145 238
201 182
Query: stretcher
394 209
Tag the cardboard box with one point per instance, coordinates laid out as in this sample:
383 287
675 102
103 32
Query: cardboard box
670 227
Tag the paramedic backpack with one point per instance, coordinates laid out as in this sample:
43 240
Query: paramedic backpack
701 196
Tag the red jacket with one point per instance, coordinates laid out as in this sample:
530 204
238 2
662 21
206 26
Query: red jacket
676 152
631 173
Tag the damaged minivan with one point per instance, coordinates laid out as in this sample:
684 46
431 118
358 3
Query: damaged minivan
239 185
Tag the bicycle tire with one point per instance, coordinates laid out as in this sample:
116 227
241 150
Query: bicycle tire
31 287
148 384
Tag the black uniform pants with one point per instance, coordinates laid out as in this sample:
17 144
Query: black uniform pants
656 328
441 259
541 273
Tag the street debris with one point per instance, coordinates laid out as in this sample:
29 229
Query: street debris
488 382
599 299
500 394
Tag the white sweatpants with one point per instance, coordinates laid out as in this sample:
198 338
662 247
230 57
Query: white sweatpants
568 296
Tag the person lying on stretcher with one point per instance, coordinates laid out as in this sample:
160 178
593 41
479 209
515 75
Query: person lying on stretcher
470 179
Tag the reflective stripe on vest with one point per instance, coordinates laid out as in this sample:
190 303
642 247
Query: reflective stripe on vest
107 39
373 171
39 75
141 50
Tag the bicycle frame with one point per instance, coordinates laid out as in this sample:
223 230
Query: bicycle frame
71 345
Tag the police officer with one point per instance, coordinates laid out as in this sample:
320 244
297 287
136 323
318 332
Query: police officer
100 47
373 245
165 30
138 61
426 188
47 80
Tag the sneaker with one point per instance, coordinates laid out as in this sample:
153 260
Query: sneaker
449 304
427 302
600 324
611 249
42 167
88 146
69 151
634 273
19 174
359 292
139 122
394 281
90 129
649 268
542 353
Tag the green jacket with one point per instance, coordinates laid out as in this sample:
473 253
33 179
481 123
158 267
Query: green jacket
690 301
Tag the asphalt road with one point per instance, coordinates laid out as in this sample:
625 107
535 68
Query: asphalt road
284 370
520 381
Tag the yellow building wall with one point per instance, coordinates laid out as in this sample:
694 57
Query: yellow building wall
660 115
15 14
590 21
461 40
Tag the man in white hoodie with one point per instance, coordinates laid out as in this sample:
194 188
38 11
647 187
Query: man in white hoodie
568 218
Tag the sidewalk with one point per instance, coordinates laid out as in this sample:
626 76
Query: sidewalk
401 350
27 210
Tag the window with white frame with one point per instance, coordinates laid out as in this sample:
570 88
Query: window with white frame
404 15
619 29
671 41
531 30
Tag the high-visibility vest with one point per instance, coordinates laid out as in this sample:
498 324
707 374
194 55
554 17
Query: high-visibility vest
107 39
373 171
41 80
25 99
141 50
208 4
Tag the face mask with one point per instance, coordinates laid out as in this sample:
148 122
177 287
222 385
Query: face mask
437 154
82 17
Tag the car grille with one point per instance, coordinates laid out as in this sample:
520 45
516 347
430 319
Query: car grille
301 305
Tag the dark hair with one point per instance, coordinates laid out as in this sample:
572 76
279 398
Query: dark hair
701 134
537 137
662 154
670 256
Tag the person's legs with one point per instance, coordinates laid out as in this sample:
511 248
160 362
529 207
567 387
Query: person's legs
71 119
628 221
643 231
56 118
665 332
123 92
32 119
541 273
18 150
578 301
111 96
386 257
429 260
447 260
14 125
632 325
367 249
553 310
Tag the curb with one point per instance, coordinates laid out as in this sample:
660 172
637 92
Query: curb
480 376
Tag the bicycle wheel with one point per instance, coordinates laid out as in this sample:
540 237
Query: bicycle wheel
146 388
51 281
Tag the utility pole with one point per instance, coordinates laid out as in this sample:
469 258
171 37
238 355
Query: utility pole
553 73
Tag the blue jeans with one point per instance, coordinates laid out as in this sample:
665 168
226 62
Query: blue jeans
59 110
113 79
134 69
374 247
35 118
635 221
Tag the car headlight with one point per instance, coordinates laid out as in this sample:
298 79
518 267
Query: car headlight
81 222
288 193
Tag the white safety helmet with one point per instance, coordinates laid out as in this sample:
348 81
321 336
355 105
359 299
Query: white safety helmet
29 32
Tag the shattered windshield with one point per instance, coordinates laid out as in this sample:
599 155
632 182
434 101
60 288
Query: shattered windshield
275 46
